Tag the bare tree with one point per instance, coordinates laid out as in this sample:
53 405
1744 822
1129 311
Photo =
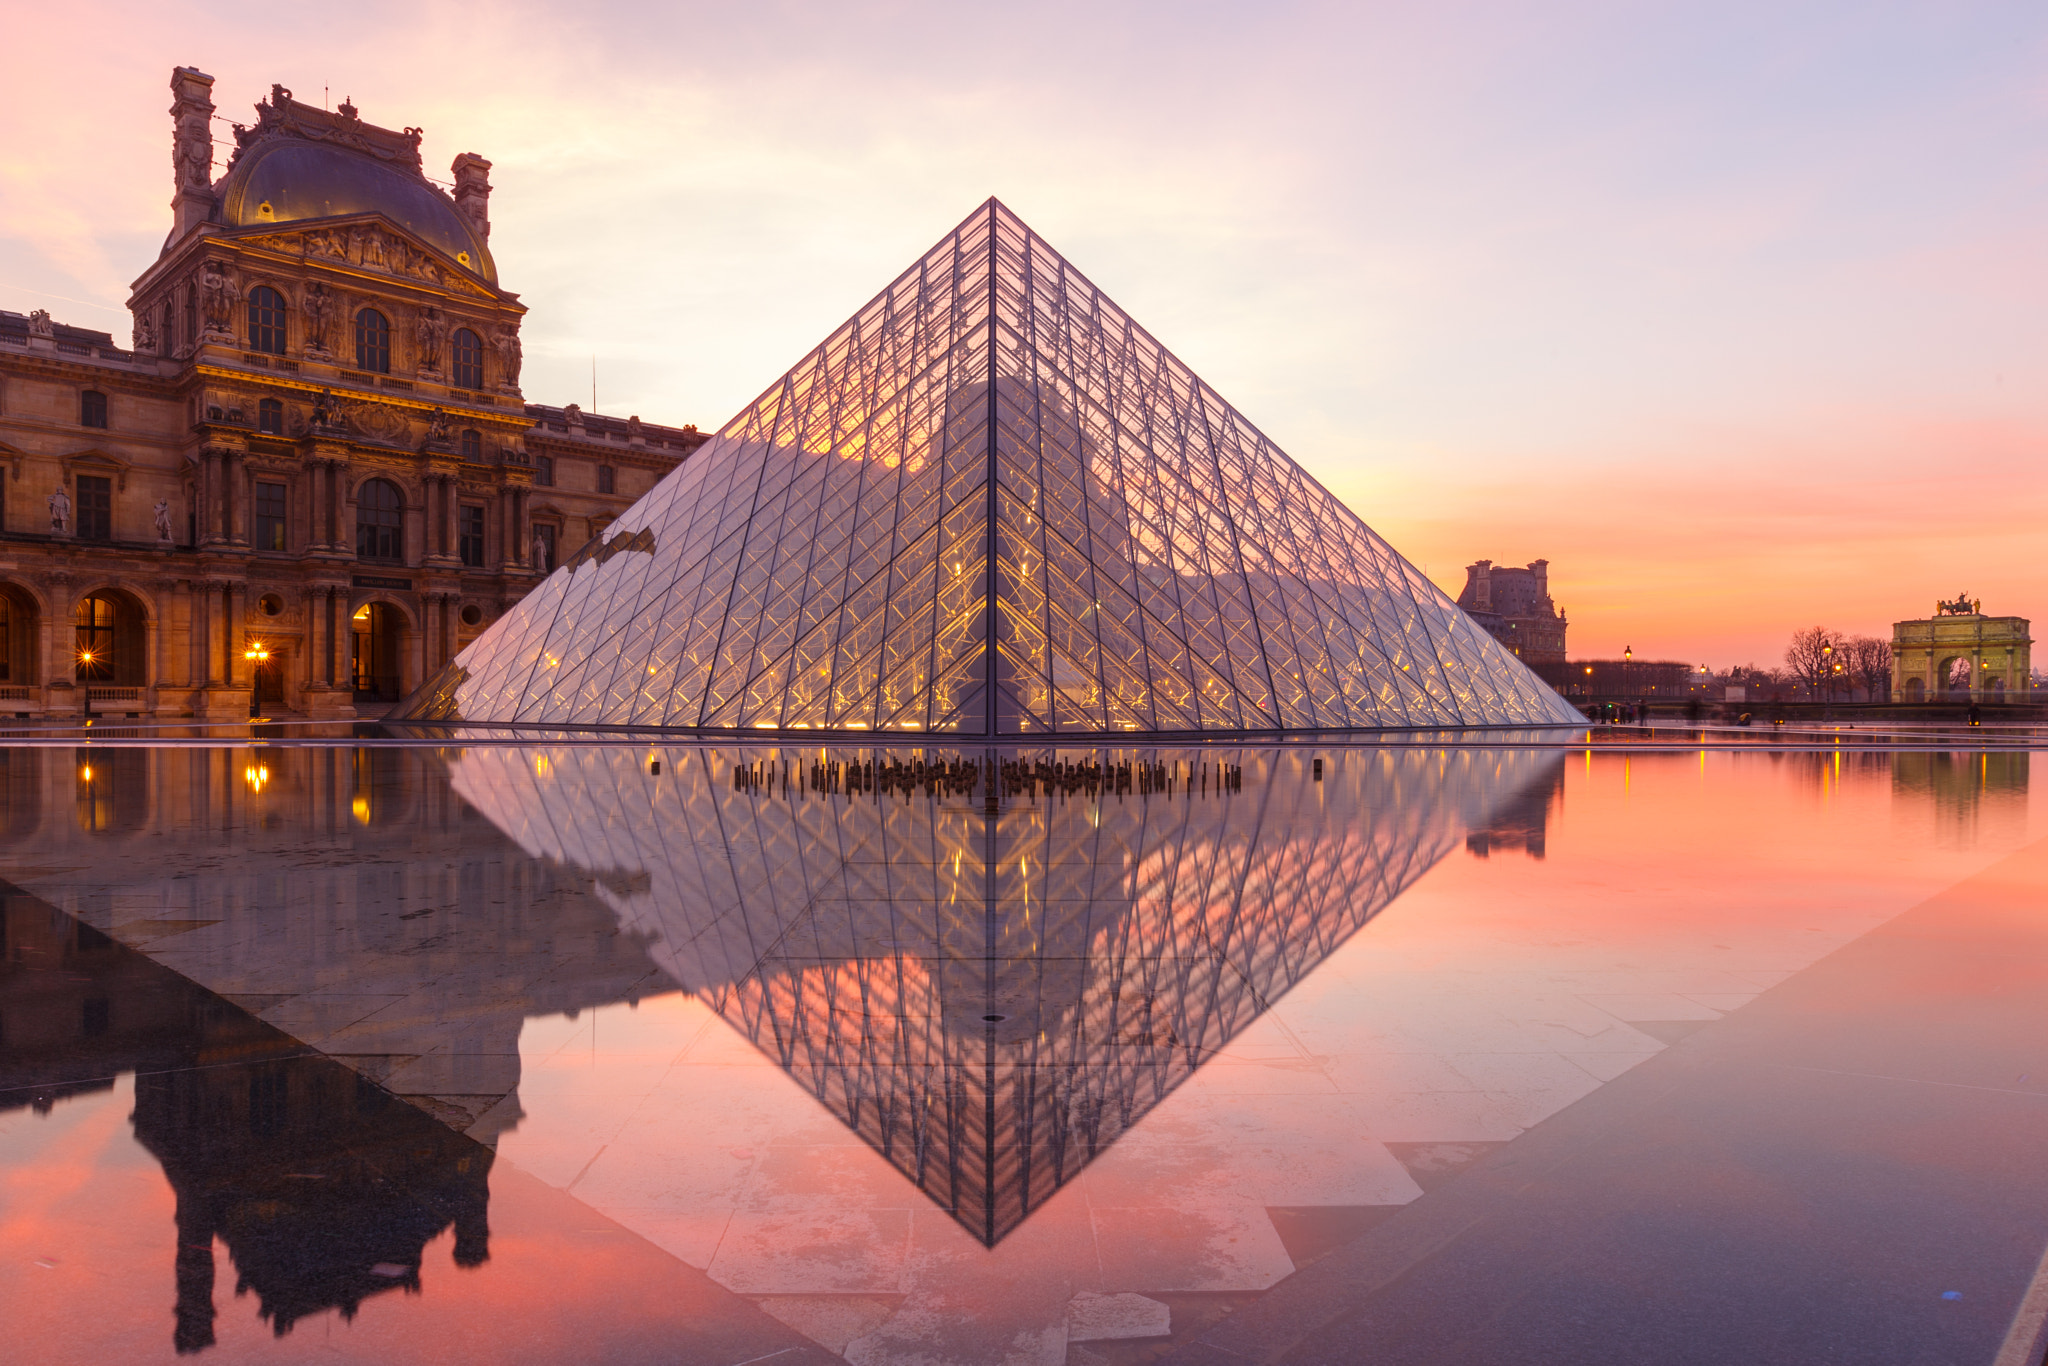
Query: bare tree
1811 658
1871 658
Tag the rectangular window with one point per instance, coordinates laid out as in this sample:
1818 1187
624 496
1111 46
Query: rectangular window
544 471
471 536
92 408
95 508
606 481
270 516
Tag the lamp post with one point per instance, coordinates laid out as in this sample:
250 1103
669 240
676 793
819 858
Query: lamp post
1627 654
85 661
255 654
1827 681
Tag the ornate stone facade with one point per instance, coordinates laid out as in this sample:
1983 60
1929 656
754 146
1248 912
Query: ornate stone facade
315 444
1926 651
1514 607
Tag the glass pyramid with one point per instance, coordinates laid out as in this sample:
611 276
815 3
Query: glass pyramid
989 504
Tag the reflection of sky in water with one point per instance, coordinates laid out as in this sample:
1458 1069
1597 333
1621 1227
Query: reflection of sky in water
1236 1073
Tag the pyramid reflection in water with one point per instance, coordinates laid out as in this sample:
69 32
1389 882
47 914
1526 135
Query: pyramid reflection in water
989 504
991 1000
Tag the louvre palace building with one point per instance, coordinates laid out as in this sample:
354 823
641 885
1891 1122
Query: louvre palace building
312 477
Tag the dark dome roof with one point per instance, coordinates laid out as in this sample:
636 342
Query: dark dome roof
286 180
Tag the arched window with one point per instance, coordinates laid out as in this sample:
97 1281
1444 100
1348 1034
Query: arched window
468 369
266 320
472 444
373 342
92 408
380 522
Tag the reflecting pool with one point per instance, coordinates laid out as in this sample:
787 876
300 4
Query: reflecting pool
1418 1052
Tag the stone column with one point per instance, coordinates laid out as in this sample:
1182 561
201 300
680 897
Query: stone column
236 504
209 496
236 604
343 535
449 490
206 663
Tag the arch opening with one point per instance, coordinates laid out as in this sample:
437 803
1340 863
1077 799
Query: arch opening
377 659
110 636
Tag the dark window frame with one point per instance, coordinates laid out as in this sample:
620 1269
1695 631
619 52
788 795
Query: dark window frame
466 363
266 321
469 534
607 479
544 471
380 525
92 408
373 341
270 416
94 507
471 444
272 508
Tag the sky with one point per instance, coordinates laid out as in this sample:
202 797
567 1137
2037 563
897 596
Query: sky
1735 313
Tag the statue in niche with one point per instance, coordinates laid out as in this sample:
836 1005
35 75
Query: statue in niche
539 562
323 410
427 331
145 333
316 307
217 296
437 426
506 342
60 511
162 513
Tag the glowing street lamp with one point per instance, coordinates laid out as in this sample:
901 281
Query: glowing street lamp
86 659
256 654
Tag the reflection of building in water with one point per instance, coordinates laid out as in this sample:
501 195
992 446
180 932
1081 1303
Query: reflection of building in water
344 893
1963 788
323 1189
991 1000
1519 822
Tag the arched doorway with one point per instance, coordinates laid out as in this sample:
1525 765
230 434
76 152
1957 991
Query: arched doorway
109 640
18 632
377 661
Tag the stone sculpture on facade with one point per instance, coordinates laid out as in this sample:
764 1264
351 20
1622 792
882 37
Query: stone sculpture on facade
428 328
218 295
539 551
324 413
145 333
162 514
39 324
506 342
316 308
437 428
60 512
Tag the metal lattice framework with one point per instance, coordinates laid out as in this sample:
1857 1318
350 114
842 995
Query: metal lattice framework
989 504
991 1001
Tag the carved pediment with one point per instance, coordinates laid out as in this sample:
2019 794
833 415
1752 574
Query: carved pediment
374 243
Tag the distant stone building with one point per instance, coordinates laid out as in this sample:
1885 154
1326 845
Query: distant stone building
1514 607
315 444
1962 655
